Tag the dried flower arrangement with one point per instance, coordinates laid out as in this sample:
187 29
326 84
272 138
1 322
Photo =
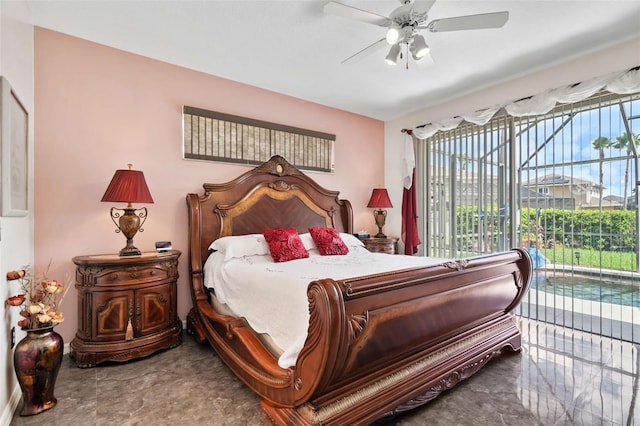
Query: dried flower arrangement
39 300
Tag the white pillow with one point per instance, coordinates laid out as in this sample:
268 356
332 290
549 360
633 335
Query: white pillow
256 245
351 240
307 241
241 245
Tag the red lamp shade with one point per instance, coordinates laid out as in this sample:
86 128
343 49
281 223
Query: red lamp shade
128 186
379 199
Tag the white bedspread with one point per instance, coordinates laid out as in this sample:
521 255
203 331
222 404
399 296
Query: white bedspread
273 296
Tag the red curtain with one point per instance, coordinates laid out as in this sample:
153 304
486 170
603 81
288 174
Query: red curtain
410 218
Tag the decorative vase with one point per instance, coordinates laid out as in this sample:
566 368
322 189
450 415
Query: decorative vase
36 360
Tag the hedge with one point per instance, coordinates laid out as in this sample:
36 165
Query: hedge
613 230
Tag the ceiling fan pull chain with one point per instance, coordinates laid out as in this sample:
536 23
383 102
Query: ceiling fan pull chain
406 54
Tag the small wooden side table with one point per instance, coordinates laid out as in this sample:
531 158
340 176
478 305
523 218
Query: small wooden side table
387 245
127 306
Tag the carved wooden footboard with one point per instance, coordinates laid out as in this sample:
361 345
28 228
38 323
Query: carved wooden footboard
376 345
382 344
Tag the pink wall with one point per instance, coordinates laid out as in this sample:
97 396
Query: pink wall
98 108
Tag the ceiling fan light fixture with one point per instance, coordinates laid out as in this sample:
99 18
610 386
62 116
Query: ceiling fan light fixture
412 50
419 47
404 23
393 55
392 35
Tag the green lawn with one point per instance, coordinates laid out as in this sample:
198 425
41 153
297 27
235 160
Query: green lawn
617 260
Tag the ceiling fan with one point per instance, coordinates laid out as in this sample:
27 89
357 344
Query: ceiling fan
405 23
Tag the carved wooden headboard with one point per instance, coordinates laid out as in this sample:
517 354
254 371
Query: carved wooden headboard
273 195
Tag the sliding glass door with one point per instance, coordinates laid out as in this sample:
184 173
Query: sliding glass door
563 185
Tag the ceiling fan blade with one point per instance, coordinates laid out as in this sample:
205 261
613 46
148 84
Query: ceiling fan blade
367 50
422 6
470 22
339 9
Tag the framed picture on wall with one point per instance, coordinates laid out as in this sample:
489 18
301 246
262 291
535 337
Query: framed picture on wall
14 143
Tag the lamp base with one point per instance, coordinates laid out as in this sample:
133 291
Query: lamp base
129 224
130 249
130 252
380 216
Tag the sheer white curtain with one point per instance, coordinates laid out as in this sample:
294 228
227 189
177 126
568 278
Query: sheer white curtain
621 82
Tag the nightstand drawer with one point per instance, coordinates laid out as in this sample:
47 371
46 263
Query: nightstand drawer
130 275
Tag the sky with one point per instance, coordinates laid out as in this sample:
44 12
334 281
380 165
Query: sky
567 149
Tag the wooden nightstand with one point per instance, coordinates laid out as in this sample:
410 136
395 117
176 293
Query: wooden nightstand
387 245
127 307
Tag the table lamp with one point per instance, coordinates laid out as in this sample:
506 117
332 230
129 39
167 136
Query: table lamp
380 200
128 186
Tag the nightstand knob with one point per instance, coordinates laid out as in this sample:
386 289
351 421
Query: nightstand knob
114 277
133 275
153 272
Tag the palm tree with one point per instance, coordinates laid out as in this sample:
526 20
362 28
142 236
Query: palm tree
624 142
601 143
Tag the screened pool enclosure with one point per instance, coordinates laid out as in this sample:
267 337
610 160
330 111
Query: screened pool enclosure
563 184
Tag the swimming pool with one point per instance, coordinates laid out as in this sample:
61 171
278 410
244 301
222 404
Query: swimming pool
588 288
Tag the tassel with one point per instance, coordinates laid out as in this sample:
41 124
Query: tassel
129 333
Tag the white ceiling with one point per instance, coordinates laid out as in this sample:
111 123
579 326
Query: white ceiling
293 47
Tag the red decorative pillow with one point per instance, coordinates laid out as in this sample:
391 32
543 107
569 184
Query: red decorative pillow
285 244
328 241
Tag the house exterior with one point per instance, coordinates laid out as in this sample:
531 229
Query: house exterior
571 192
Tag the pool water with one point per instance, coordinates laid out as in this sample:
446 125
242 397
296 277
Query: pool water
588 288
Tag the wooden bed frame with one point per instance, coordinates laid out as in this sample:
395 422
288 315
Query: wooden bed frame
377 345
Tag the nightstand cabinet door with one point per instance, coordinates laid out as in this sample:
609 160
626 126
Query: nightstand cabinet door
111 314
127 307
153 311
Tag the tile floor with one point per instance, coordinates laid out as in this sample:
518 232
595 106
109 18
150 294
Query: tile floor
561 377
